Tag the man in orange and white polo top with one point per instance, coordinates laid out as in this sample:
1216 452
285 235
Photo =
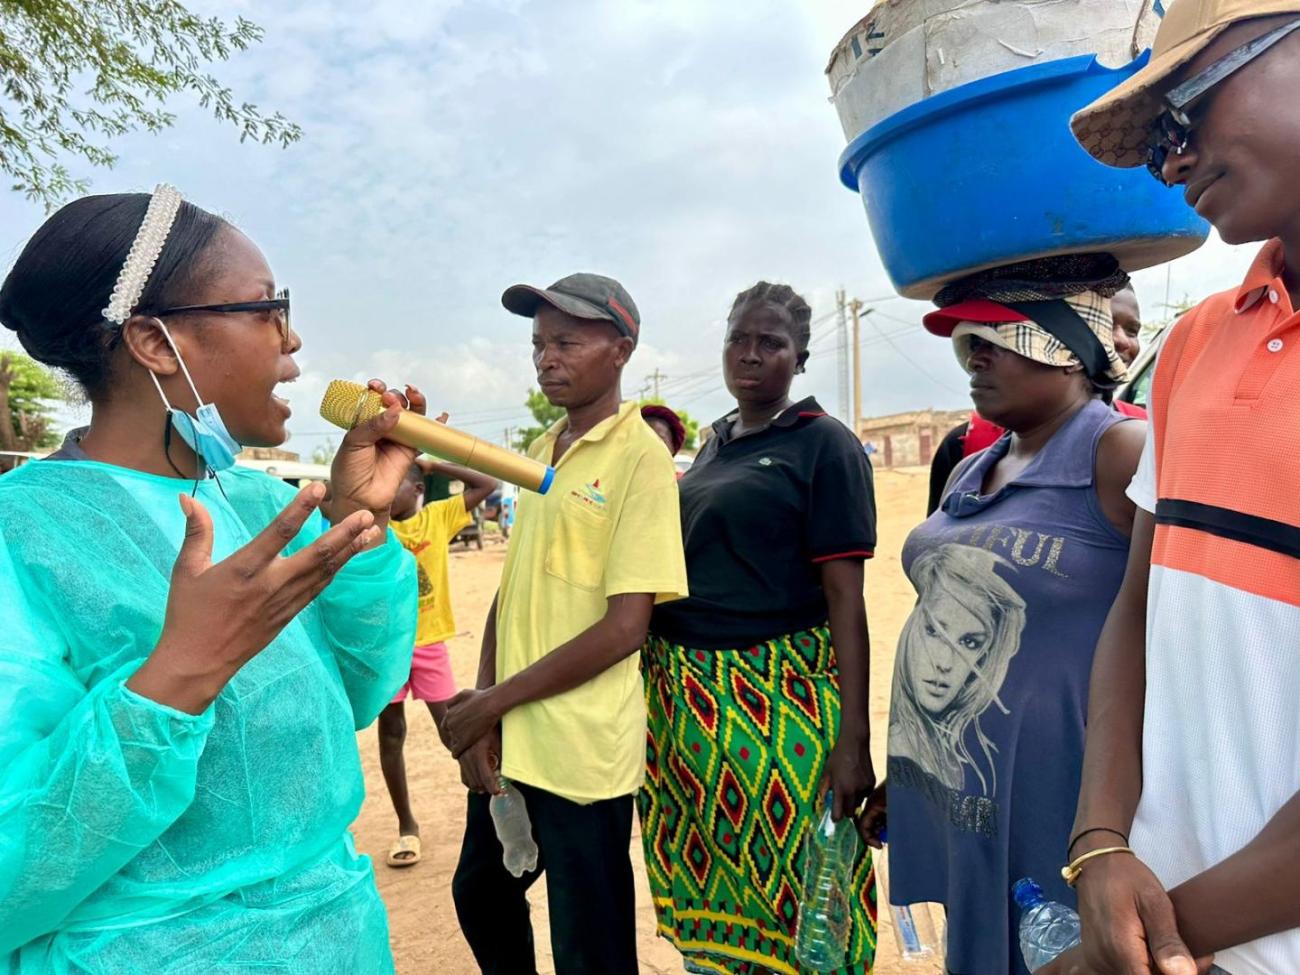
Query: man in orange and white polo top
1189 804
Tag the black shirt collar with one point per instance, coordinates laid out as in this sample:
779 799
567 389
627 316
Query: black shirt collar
792 416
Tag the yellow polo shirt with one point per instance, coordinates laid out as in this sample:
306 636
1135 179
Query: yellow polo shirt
608 525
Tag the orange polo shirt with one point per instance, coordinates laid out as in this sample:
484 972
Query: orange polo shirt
1221 734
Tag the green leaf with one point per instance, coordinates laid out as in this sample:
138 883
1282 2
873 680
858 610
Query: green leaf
76 71
29 393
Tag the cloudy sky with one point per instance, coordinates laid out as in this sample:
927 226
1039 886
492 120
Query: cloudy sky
454 148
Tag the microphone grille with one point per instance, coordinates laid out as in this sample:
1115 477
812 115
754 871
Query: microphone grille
346 404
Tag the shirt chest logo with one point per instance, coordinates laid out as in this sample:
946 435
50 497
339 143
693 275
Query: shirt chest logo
590 496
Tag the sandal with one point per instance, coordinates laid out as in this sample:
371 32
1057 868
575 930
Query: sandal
405 852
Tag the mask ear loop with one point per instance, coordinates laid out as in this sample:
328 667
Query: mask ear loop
167 430
201 467
158 386
184 369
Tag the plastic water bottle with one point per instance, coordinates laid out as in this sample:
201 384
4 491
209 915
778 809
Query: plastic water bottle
822 931
514 830
915 931
1046 928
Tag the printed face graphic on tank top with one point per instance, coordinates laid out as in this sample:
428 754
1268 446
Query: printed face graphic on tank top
953 658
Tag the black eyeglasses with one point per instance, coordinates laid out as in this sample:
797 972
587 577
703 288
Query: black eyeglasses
1172 129
278 304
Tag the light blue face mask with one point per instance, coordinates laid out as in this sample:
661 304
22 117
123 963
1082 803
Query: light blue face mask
207 436
205 431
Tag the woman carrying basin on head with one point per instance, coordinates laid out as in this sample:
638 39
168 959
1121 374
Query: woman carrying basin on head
1014 576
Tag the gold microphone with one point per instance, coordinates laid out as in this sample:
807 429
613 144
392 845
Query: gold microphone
347 404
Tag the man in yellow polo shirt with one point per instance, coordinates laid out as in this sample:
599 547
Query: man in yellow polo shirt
559 704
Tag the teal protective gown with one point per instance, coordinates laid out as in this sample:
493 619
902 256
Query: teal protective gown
135 838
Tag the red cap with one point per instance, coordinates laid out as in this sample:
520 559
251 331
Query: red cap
942 321
666 414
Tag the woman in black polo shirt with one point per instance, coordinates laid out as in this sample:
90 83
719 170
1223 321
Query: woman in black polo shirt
744 691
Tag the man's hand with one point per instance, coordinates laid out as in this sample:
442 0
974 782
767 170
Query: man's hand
470 715
480 766
1067 963
1129 927
1073 962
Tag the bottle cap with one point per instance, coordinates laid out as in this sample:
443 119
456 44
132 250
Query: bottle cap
1027 893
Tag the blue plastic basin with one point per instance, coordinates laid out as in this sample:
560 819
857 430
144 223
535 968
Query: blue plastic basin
989 173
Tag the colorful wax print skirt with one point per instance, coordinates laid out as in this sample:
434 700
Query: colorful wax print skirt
737 743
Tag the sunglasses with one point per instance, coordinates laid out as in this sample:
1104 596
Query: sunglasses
279 305
1172 130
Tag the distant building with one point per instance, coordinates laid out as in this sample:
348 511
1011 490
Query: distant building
267 453
908 439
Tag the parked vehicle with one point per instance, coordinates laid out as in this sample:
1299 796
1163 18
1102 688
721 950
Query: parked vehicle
472 534
1138 388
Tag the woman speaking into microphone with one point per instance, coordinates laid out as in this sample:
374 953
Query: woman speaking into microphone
188 647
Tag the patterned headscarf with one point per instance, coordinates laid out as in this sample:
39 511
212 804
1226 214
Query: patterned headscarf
1040 280
1033 341
1084 282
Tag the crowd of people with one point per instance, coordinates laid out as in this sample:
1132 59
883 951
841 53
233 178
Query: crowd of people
1094 687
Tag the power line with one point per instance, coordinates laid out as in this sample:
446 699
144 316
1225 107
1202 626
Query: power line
501 412
514 420
896 318
915 365
686 378
870 341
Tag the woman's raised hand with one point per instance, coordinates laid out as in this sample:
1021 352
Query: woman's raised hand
368 468
221 616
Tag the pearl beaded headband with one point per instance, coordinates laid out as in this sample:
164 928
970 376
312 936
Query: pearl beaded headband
142 257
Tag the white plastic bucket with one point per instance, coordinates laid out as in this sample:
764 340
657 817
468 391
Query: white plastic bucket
904 51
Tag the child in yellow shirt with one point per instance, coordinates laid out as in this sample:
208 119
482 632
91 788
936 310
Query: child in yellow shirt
426 531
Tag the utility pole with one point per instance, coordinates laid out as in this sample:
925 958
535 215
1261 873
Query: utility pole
855 306
656 378
842 354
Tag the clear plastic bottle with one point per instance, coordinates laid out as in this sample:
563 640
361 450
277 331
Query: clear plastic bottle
1046 928
915 930
822 931
514 830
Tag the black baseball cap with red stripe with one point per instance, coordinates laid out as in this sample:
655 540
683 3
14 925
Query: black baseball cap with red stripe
591 296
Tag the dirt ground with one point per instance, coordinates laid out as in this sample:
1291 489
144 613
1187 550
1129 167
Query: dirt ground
425 935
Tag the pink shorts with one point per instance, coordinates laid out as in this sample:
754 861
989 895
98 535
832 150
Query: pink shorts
430 678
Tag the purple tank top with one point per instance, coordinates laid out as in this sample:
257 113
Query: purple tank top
990 689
